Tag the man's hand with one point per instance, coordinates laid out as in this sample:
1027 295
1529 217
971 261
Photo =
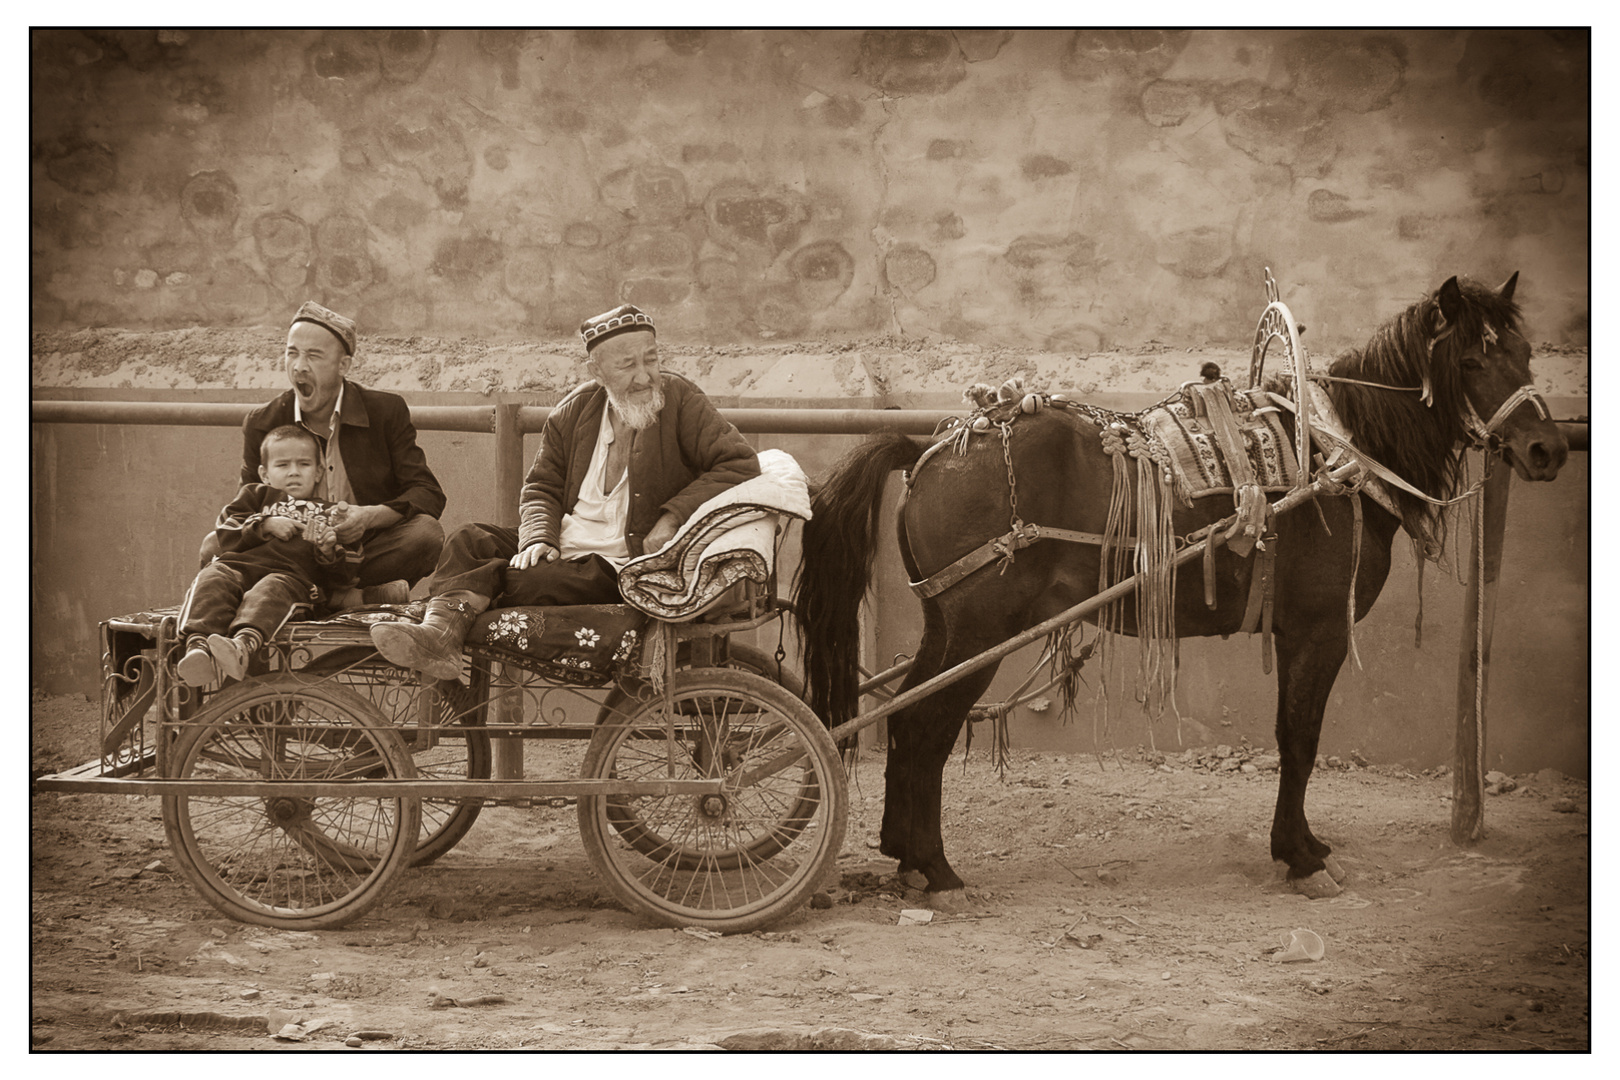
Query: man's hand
352 522
661 533
533 555
282 528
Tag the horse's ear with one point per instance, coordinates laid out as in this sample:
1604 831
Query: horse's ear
1450 299
1506 290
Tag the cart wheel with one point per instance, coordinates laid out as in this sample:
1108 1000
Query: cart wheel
647 840
701 860
293 862
462 749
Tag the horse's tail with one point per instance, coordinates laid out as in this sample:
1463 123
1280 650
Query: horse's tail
840 543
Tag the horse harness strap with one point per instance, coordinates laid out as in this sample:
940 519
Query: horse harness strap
1021 536
1262 595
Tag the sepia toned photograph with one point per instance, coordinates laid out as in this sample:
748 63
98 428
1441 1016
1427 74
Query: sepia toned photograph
810 539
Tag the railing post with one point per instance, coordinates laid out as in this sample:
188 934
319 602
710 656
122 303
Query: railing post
1474 661
507 752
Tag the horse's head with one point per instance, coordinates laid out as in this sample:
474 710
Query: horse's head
1493 361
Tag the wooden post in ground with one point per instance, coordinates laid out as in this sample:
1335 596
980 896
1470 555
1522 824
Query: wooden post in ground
507 708
1474 662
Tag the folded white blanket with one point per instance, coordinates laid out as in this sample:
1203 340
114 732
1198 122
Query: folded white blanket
730 538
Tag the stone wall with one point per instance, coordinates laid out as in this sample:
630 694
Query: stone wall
1066 190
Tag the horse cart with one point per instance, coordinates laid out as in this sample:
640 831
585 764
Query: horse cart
710 794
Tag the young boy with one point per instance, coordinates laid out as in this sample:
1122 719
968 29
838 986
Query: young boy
278 551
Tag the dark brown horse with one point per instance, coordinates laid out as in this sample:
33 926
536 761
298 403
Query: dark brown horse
1450 359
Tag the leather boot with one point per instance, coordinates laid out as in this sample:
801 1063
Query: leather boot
434 646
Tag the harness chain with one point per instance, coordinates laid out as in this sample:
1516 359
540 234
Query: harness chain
1012 483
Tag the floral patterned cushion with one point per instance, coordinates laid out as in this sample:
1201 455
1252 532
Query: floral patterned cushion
594 639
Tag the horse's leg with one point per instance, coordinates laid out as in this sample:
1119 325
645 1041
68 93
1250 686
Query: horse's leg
1307 664
899 795
920 742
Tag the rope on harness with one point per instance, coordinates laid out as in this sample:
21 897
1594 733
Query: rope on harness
1355 571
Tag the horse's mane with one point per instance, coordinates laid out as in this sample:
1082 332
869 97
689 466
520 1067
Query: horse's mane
1418 348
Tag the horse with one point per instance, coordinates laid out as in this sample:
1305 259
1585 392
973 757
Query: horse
1410 399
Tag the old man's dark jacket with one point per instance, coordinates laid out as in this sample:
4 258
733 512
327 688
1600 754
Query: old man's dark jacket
690 455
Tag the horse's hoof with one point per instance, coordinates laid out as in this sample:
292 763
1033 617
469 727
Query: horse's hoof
1319 886
949 901
913 879
1335 871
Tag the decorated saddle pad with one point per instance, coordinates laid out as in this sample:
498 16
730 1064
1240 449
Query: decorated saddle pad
1187 432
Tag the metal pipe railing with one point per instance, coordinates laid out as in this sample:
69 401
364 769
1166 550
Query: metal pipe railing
225 414
509 422
528 419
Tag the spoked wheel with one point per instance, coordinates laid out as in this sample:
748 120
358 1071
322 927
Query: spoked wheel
735 860
645 836
297 862
461 749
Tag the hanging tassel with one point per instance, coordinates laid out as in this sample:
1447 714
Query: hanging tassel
1112 565
1155 593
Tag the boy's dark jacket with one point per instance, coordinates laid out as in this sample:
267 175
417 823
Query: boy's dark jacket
243 540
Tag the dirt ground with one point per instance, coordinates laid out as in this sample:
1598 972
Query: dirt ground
1118 904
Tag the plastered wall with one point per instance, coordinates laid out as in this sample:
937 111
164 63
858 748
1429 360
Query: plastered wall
1068 190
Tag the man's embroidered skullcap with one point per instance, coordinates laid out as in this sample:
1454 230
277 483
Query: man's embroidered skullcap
340 326
598 328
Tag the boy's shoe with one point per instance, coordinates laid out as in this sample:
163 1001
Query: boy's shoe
196 668
231 654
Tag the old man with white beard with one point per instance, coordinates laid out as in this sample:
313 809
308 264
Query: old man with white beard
624 460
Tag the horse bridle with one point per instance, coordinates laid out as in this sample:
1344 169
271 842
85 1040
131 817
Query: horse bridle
1484 432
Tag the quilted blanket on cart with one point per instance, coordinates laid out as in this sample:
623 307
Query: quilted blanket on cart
730 538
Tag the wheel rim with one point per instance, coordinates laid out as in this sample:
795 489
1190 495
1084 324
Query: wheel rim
765 842
289 856
735 859
461 750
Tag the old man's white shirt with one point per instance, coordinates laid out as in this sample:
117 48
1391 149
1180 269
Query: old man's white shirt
597 523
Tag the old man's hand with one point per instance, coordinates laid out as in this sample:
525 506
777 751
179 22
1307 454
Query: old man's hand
661 533
533 555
